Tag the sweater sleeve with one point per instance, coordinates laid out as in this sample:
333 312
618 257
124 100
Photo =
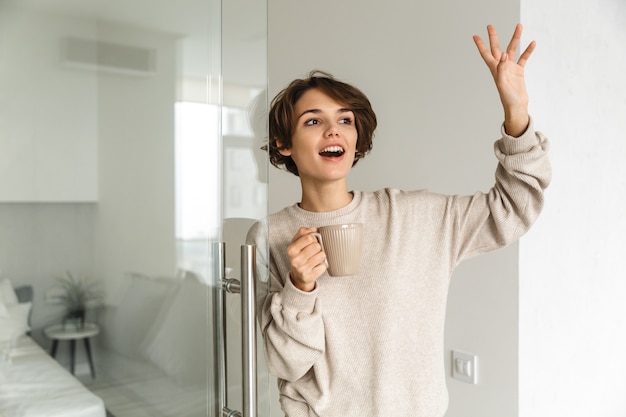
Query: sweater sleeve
487 221
290 320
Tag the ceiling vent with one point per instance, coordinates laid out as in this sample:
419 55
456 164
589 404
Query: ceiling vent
108 57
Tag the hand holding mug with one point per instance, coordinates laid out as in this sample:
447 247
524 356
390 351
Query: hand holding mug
343 245
308 261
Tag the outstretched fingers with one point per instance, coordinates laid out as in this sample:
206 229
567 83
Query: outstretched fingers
485 53
526 54
513 45
494 44
511 49
493 54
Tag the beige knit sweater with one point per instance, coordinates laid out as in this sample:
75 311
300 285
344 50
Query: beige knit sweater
372 344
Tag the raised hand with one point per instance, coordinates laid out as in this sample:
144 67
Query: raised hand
509 77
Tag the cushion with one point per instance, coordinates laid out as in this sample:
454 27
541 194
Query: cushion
15 323
7 294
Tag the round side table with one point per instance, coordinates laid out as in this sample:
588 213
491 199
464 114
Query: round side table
60 332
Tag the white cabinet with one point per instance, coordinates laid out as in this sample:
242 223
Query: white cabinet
48 114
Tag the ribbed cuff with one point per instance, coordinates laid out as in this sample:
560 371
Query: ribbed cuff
512 145
298 300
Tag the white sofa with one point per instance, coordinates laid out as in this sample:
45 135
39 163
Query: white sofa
153 353
32 384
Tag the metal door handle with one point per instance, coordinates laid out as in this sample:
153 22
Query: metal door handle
248 329
248 332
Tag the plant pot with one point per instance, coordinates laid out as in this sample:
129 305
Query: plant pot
74 319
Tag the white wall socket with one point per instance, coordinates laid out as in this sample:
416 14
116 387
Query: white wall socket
465 366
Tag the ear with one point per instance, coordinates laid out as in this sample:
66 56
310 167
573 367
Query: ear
283 152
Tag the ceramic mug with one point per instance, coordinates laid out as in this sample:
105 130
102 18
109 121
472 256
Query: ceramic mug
343 245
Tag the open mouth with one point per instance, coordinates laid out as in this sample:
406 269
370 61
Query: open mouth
332 152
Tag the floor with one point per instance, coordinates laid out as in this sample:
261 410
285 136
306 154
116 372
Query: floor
131 388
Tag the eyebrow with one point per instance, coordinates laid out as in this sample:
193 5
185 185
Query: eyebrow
317 111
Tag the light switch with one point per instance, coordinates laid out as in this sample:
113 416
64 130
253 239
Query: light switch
465 366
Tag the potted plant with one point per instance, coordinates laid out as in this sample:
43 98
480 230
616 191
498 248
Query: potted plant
77 294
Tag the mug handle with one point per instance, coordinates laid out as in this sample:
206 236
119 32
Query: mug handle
318 236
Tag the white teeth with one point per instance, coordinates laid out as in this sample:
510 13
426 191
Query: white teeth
332 149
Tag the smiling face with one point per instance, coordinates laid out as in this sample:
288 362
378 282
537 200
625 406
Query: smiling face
323 143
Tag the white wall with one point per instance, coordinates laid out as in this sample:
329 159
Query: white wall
438 116
130 227
572 279
135 224
48 136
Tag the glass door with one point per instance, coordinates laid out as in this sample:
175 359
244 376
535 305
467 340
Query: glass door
241 379
130 167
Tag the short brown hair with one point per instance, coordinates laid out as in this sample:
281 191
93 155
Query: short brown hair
282 110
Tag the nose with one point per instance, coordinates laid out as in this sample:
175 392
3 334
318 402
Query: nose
332 131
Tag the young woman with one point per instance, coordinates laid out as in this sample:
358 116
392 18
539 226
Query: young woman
372 344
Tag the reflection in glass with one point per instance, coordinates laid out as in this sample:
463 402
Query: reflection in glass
124 147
